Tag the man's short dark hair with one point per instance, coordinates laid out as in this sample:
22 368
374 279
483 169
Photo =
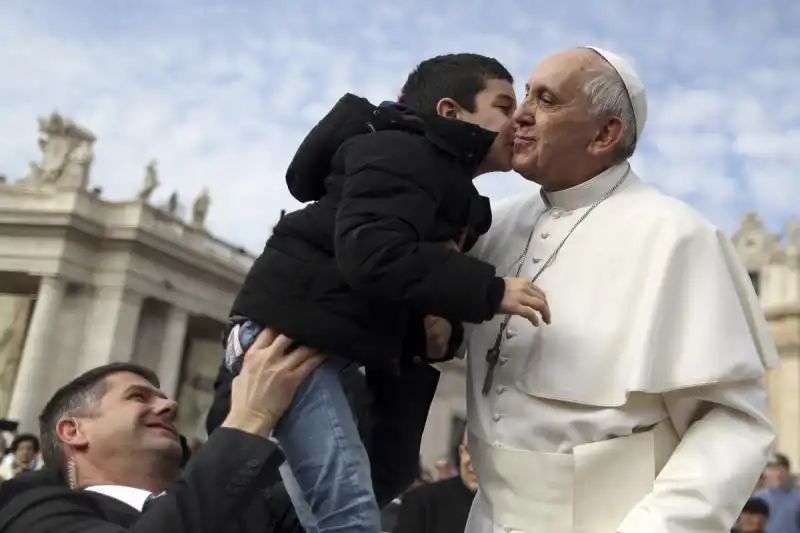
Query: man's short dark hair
23 438
78 398
457 76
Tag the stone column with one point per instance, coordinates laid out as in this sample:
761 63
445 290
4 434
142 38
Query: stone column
112 325
169 368
27 399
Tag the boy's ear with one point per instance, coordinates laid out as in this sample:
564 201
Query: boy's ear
448 108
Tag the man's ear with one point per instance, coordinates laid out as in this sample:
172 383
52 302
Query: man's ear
69 433
448 108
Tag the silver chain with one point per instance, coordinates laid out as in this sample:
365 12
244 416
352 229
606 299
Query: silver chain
493 355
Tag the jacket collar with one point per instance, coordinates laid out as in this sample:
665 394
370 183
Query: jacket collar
467 142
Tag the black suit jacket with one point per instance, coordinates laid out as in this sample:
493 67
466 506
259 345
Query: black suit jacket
221 490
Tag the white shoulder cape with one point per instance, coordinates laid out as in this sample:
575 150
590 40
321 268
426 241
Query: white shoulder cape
646 296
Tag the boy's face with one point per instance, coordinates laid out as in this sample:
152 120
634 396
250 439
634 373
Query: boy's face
494 107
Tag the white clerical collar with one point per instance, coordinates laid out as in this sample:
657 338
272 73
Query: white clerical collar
588 192
134 497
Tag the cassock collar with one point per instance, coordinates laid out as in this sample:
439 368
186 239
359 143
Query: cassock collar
134 497
588 192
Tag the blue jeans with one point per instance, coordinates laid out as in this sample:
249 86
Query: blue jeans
327 471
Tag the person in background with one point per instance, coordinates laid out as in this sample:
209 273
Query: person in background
8 430
753 517
781 496
443 506
23 457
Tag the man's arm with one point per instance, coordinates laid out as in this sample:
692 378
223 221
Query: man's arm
218 484
389 201
727 437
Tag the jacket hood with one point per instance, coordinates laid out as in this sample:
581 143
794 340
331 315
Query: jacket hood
353 116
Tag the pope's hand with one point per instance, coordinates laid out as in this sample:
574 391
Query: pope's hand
437 332
523 298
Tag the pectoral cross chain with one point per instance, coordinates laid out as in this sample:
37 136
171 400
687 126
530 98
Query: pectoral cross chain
493 354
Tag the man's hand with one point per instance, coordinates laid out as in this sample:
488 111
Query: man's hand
270 375
437 332
523 298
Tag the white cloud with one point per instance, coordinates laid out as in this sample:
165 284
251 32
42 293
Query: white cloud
222 93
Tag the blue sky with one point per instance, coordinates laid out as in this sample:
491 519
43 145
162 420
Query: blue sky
221 92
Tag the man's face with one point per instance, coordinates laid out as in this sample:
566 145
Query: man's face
133 419
751 523
465 466
554 126
494 106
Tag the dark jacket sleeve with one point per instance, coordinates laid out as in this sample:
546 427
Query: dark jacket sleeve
218 484
390 197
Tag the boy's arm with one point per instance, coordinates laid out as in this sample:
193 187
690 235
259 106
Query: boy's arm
389 201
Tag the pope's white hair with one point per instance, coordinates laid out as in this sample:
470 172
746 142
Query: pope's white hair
608 96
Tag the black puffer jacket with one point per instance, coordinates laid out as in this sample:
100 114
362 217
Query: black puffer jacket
355 272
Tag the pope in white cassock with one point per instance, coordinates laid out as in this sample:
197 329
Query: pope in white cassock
641 408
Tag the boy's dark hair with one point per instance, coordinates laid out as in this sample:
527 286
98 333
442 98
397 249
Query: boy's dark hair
78 398
22 438
457 76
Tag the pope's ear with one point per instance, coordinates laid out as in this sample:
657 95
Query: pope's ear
608 137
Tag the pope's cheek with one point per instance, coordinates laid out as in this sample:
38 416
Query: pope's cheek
523 158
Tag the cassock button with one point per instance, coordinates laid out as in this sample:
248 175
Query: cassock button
417 359
496 417
537 260
510 333
544 235
556 214
503 362
500 389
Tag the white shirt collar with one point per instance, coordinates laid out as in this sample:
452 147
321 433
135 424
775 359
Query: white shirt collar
134 497
588 192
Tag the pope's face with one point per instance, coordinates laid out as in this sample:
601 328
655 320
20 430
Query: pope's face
554 126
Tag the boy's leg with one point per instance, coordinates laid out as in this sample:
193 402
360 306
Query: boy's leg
328 461
301 507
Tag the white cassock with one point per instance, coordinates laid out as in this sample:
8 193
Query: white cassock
642 407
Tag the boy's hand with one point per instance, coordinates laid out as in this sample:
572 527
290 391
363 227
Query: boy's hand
523 298
438 331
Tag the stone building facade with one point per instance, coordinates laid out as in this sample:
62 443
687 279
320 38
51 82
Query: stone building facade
85 281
